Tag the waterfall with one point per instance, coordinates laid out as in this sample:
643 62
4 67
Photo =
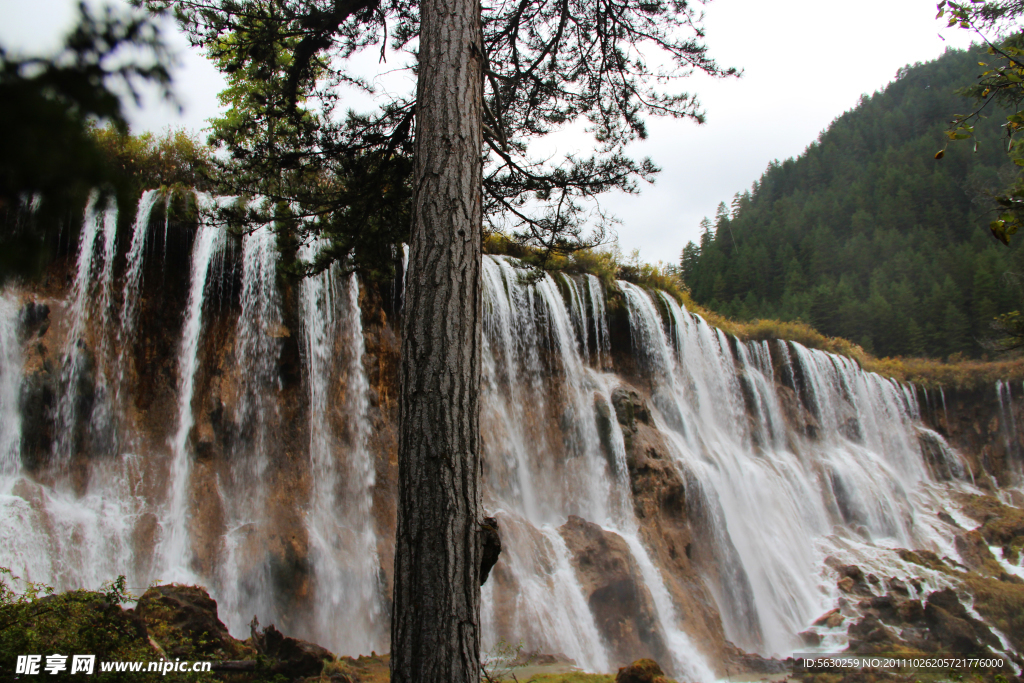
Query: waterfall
602 341
10 386
859 473
174 551
1008 429
79 353
244 581
248 443
343 542
132 291
537 478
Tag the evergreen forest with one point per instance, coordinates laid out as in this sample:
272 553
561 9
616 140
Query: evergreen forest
867 235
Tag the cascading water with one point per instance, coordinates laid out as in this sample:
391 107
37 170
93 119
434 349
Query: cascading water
244 581
174 549
256 468
132 289
1008 428
10 387
536 479
97 222
343 543
858 473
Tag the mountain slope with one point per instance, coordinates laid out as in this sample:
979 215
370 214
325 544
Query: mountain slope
866 235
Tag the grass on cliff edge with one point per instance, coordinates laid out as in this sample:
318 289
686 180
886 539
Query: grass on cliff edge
610 265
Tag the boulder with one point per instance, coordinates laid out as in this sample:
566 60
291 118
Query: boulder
183 621
853 571
294 658
810 638
830 619
641 671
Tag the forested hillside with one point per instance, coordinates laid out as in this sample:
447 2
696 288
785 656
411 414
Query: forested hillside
866 235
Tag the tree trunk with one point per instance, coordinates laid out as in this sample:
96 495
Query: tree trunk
435 626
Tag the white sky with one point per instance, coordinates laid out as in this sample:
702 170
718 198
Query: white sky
805 62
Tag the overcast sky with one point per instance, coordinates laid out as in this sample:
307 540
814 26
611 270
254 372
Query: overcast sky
805 62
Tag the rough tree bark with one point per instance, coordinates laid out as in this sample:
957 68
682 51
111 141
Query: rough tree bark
436 615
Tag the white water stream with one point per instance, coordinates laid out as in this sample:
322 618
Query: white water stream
769 495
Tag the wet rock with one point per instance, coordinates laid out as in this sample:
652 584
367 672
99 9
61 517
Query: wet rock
910 611
795 412
853 571
37 403
35 318
957 630
641 671
974 552
629 407
825 618
868 633
755 663
897 586
846 584
537 658
925 558
616 593
670 521
810 638
936 456
948 519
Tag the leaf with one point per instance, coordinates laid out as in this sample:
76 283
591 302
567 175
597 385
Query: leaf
999 231
941 153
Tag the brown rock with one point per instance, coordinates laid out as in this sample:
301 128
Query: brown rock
824 617
295 658
853 571
846 584
974 551
183 620
810 638
957 630
869 631
641 671
667 527
910 611
629 407
834 620
897 586
616 593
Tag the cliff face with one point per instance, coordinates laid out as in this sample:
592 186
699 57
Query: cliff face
982 425
173 409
